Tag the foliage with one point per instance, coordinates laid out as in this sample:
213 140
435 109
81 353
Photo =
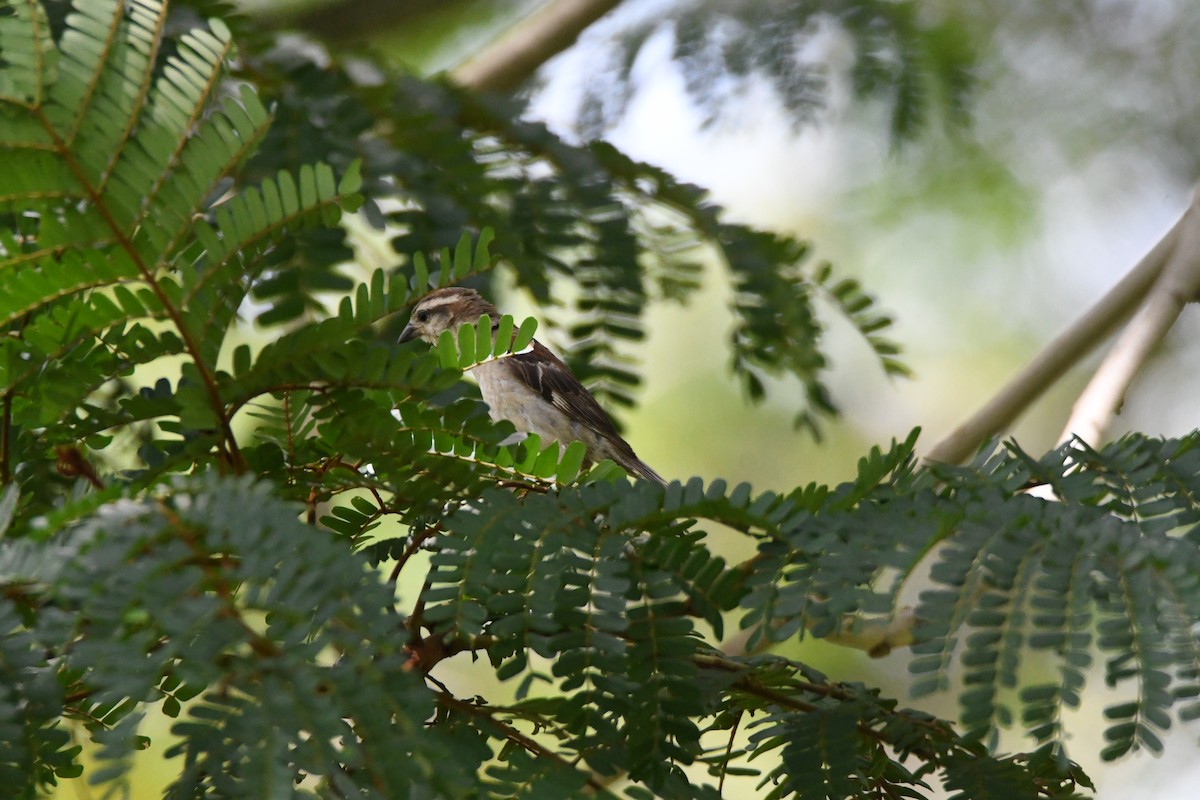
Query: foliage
191 524
437 160
916 62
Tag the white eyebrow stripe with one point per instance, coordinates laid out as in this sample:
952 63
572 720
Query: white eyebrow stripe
438 302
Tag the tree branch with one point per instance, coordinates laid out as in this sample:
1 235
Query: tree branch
875 637
500 67
515 56
1177 285
510 733
747 682
1061 354
5 437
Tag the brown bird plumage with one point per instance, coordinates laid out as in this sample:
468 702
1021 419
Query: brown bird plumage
533 389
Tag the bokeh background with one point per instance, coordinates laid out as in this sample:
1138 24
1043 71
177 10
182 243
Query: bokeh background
982 237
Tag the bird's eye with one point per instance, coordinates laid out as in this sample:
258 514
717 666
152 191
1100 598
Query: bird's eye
422 316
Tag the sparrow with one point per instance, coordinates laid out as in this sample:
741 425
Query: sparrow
533 389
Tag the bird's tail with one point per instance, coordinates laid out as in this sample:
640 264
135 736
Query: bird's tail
642 470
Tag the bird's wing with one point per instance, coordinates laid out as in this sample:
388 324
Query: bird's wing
543 372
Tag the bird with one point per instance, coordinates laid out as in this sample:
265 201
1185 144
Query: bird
533 389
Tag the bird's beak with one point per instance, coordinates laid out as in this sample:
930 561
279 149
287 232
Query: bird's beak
408 334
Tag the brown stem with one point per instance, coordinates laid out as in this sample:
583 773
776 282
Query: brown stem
5 438
510 733
223 588
747 684
414 544
733 729
287 425
315 498
228 445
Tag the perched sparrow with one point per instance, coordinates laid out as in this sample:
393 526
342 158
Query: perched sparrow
533 389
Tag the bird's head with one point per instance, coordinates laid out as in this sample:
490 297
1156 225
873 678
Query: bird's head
445 310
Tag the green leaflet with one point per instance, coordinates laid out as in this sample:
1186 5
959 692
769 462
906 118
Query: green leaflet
455 265
141 209
859 307
242 520
1087 576
473 345
566 576
109 167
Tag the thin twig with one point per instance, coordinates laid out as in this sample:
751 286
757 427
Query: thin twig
287 426
414 544
227 445
224 589
748 684
510 733
315 497
5 436
733 729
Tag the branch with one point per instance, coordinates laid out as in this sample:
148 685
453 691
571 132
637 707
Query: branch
1061 354
515 56
1178 285
501 67
222 587
747 682
6 433
226 444
416 540
511 734
875 637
